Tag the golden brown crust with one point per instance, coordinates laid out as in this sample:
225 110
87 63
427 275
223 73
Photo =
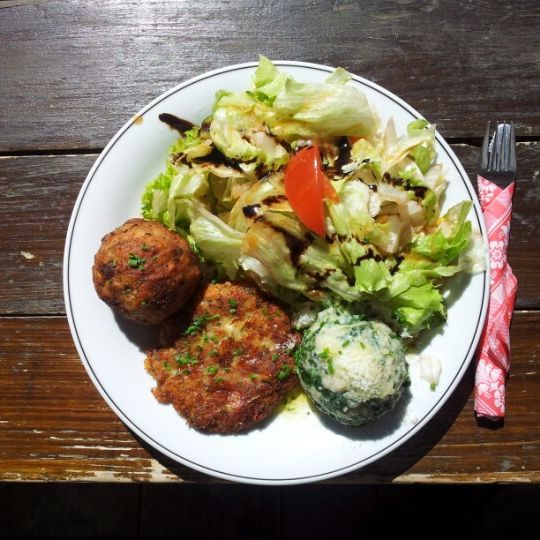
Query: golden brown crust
233 363
145 271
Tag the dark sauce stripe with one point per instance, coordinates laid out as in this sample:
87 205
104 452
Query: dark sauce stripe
369 255
274 199
251 210
296 245
174 122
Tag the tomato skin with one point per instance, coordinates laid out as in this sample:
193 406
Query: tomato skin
306 187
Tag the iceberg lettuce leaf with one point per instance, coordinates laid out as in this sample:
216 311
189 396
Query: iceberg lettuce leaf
449 239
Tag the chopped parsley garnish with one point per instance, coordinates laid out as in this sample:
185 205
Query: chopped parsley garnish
218 379
198 323
284 372
252 376
213 352
275 356
185 359
433 387
330 365
134 261
233 306
346 343
239 351
211 370
325 355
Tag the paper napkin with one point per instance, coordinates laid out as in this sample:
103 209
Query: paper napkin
493 356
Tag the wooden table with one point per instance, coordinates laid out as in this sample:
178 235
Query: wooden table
71 73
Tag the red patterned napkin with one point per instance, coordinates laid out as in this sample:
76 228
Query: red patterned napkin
493 361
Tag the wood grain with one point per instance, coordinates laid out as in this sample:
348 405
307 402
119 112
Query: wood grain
39 193
72 73
55 426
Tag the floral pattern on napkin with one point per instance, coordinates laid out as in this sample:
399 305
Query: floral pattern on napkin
493 362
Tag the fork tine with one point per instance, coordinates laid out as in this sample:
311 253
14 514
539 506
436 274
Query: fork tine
505 141
499 148
492 164
512 161
498 156
484 162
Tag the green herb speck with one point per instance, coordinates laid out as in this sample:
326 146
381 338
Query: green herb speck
185 359
330 365
134 261
284 372
198 323
233 306
325 355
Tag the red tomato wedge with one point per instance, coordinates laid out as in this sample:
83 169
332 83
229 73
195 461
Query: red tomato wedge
306 187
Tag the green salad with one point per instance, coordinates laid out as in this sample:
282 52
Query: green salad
298 187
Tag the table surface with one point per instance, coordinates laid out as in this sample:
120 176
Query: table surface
72 73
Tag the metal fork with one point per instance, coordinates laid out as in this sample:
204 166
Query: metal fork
498 163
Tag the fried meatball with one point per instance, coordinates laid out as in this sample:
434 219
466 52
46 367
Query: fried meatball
233 363
145 271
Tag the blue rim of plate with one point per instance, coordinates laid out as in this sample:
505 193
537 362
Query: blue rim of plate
216 472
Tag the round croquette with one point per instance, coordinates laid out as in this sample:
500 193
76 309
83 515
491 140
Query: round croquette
145 271
233 363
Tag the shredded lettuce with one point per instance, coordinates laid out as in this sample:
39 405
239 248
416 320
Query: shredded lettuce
387 246
156 194
449 239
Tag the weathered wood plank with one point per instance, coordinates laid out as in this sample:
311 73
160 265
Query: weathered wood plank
55 426
72 73
38 193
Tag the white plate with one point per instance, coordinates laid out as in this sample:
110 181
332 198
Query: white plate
292 447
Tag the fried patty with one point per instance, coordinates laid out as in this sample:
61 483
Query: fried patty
145 271
232 364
